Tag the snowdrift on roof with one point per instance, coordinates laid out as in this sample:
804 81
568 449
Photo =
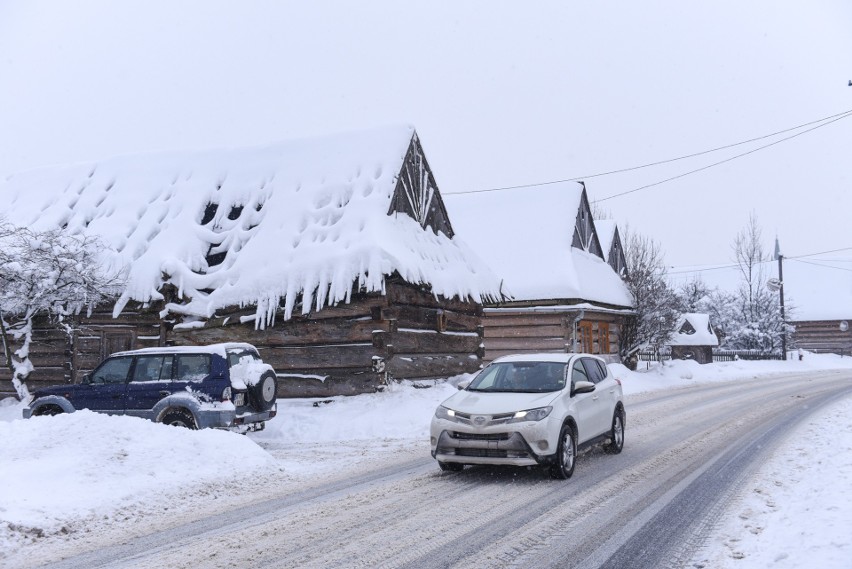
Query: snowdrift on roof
694 329
298 221
525 235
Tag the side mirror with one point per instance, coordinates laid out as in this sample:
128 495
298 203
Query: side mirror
583 387
87 379
463 384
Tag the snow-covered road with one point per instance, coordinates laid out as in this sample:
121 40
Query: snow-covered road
103 481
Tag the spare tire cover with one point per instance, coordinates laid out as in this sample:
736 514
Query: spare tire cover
264 392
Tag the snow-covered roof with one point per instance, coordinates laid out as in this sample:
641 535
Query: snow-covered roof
694 329
526 234
606 233
302 220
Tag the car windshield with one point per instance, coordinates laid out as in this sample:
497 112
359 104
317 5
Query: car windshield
520 377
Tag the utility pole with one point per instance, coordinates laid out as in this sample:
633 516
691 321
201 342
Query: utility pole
780 258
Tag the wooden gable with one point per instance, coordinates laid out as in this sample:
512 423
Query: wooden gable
615 256
416 192
585 235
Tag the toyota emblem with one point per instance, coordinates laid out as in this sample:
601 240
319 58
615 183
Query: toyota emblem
479 420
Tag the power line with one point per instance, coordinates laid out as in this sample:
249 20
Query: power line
823 266
836 117
733 265
646 186
717 268
820 253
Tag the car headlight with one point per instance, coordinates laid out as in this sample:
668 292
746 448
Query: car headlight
531 415
444 413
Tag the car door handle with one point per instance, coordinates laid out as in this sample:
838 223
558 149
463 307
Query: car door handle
118 396
164 394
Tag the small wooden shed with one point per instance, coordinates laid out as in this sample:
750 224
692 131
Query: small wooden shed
335 256
561 291
694 338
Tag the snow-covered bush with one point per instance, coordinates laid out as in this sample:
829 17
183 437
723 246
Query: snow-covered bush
45 273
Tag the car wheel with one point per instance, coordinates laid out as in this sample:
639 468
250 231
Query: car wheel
566 454
179 418
451 466
48 411
264 392
616 436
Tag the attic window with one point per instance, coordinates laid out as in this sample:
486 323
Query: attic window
214 259
209 213
687 329
235 212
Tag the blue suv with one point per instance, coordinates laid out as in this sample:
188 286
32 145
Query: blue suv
222 386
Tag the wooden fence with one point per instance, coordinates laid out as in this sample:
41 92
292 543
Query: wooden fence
665 354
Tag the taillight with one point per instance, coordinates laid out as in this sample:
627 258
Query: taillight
226 394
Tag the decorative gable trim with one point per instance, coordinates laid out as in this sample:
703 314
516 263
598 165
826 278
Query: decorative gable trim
416 193
585 235
615 257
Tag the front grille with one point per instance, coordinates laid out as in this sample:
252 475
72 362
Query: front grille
481 452
478 437
498 419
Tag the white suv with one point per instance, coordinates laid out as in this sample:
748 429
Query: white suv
525 410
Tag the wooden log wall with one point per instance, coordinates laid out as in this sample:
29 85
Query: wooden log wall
530 331
358 347
343 350
60 358
823 336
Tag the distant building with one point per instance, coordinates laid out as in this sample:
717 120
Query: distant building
561 291
824 336
694 338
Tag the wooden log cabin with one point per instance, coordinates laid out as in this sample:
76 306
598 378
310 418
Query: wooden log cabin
824 336
561 290
334 256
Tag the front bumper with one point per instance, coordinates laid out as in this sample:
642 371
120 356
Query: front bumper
525 444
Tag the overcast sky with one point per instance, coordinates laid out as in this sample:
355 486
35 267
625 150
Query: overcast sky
501 93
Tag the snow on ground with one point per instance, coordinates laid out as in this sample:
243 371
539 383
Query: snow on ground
65 476
795 512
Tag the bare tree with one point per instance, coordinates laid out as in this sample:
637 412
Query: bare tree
655 303
750 258
45 273
693 296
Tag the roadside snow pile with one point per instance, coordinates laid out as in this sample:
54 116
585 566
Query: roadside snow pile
72 470
652 376
400 412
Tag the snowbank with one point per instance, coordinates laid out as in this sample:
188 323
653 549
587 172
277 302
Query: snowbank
62 473
675 373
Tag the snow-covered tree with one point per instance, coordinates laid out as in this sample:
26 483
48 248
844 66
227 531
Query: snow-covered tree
656 304
754 320
693 296
45 273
